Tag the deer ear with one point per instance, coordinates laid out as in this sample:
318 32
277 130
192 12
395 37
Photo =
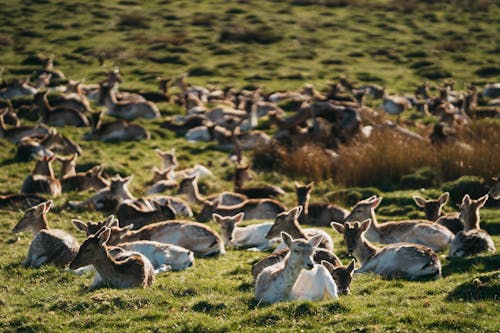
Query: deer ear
104 235
466 200
376 201
297 184
315 241
338 227
111 221
443 198
286 239
419 201
365 225
217 218
239 217
351 267
310 185
47 206
328 265
296 211
127 228
482 201
80 225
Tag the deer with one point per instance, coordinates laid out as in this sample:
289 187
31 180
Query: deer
124 270
23 201
42 179
241 175
30 148
433 212
49 246
162 181
68 165
277 282
400 260
83 181
10 117
288 222
189 187
194 236
114 79
254 209
164 257
129 213
115 131
15 134
472 240
422 232
251 237
320 214
128 110
18 89
58 116
395 105
169 160
495 189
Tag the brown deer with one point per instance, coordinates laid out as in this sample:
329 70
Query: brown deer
472 240
320 214
58 116
119 130
42 179
128 110
68 165
241 175
129 213
83 181
49 246
15 134
253 208
189 187
495 189
162 181
433 212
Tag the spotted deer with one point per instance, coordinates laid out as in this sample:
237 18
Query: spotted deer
472 240
433 212
124 270
421 232
401 260
276 282
49 246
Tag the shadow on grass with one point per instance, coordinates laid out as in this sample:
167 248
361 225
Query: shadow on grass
479 264
482 287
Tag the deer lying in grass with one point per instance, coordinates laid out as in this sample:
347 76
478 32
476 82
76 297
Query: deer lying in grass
163 257
9 115
401 260
321 214
254 209
282 281
15 134
241 175
129 213
49 246
194 236
21 201
124 270
58 116
162 181
128 110
472 240
114 79
169 160
189 187
395 104
288 222
252 236
83 181
31 148
115 131
433 212
421 232
42 179
18 89
68 165
495 189
109 197
319 255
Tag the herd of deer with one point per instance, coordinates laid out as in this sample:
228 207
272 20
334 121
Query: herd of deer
148 235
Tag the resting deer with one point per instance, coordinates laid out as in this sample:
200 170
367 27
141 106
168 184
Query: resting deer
58 116
163 257
124 270
42 179
31 148
395 104
433 212
254 209
128 110
68 165
278 282
288 222
421 232
495 189
252 236
319 255
241 175
18 89
109 197
472 240
49 246
342 275
162 181
316 213
15 134
194 236
22 201
129 213
189 187
401 260
169 160
83 181
119 130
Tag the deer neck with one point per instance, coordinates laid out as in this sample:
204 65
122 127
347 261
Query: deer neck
295 230
194 195
44 105
374 226
289 274
40 224
104 263
470 218
364 250
67 169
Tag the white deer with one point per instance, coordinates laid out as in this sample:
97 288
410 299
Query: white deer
402 260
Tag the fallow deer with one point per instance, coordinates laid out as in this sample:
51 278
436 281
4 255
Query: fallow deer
258 209
68 165
15 134
128 110
49 246
129 213
119 130
42 179
58 116
433 212
18 89
401 260
241 175
189 187
83 181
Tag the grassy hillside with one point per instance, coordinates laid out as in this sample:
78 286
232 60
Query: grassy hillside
277 45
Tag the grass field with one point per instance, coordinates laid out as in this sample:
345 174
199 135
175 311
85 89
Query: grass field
277 45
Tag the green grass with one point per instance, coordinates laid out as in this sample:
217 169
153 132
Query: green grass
386 42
